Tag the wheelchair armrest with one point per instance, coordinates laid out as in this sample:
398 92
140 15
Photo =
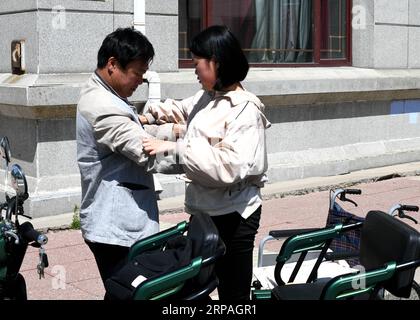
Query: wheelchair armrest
342 287
286 233
331 256
161 286
290 232
303 243
312 240
307 241
156 240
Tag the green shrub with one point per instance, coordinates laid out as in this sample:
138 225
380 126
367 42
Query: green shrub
75 224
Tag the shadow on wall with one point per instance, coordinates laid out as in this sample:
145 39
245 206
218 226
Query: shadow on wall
345 110
24 134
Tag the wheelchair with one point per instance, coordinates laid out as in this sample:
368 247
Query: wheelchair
389 255
193 280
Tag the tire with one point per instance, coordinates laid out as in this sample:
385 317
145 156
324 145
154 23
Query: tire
15 289
414 295
20 288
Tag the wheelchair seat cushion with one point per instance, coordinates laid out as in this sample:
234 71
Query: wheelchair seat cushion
149 264
300 291
385 239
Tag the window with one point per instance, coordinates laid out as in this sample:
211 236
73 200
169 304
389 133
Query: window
274 32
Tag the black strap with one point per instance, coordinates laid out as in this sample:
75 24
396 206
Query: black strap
132 186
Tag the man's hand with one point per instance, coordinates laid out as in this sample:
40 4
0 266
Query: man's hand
155 146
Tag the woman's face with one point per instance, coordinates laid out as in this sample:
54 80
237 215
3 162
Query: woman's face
206 71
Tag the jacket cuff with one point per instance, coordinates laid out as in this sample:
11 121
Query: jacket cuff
181 146
150 118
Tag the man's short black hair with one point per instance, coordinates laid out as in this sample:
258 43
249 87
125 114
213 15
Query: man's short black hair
218 43
125 45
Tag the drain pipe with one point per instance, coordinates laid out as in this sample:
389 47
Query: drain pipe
151 77
140 15
153 80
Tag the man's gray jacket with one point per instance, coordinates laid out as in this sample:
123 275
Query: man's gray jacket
119 205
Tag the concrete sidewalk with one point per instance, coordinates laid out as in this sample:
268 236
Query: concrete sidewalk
72 274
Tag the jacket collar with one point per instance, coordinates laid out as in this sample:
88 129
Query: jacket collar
109 88
239 97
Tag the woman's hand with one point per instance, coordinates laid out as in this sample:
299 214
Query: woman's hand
179 130
155 146
143 119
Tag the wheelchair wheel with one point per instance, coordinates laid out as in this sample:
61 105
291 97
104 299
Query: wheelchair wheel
414 295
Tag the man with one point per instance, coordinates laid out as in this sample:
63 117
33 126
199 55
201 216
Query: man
119 204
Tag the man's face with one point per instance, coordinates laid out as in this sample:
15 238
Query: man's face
125 81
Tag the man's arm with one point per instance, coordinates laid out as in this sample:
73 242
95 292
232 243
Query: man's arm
114 128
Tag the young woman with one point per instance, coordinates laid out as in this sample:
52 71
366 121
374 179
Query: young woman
222 151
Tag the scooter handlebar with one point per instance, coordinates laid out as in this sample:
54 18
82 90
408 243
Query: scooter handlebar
28 233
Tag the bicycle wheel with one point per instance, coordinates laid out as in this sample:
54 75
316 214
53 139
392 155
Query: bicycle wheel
414 295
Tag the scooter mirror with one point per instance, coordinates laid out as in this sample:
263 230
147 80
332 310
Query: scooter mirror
19 181
5 149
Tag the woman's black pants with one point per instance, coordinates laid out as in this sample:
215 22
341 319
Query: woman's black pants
234 269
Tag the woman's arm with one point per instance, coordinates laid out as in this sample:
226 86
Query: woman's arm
170 111
223 162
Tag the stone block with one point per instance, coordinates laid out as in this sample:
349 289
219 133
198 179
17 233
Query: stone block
77 5
390 46
122 21
391 11
362 33
414 12
162 7
414 46
363 47
124 6
9 6
19 26
164 40
58 50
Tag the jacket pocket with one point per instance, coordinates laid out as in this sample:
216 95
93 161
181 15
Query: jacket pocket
99 215
134 210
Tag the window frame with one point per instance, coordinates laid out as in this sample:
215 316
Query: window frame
317 27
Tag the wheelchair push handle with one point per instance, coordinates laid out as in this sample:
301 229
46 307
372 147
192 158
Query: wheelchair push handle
409 208
352 191
341 194
400 211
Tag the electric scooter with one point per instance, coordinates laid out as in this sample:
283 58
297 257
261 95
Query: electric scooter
15 237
